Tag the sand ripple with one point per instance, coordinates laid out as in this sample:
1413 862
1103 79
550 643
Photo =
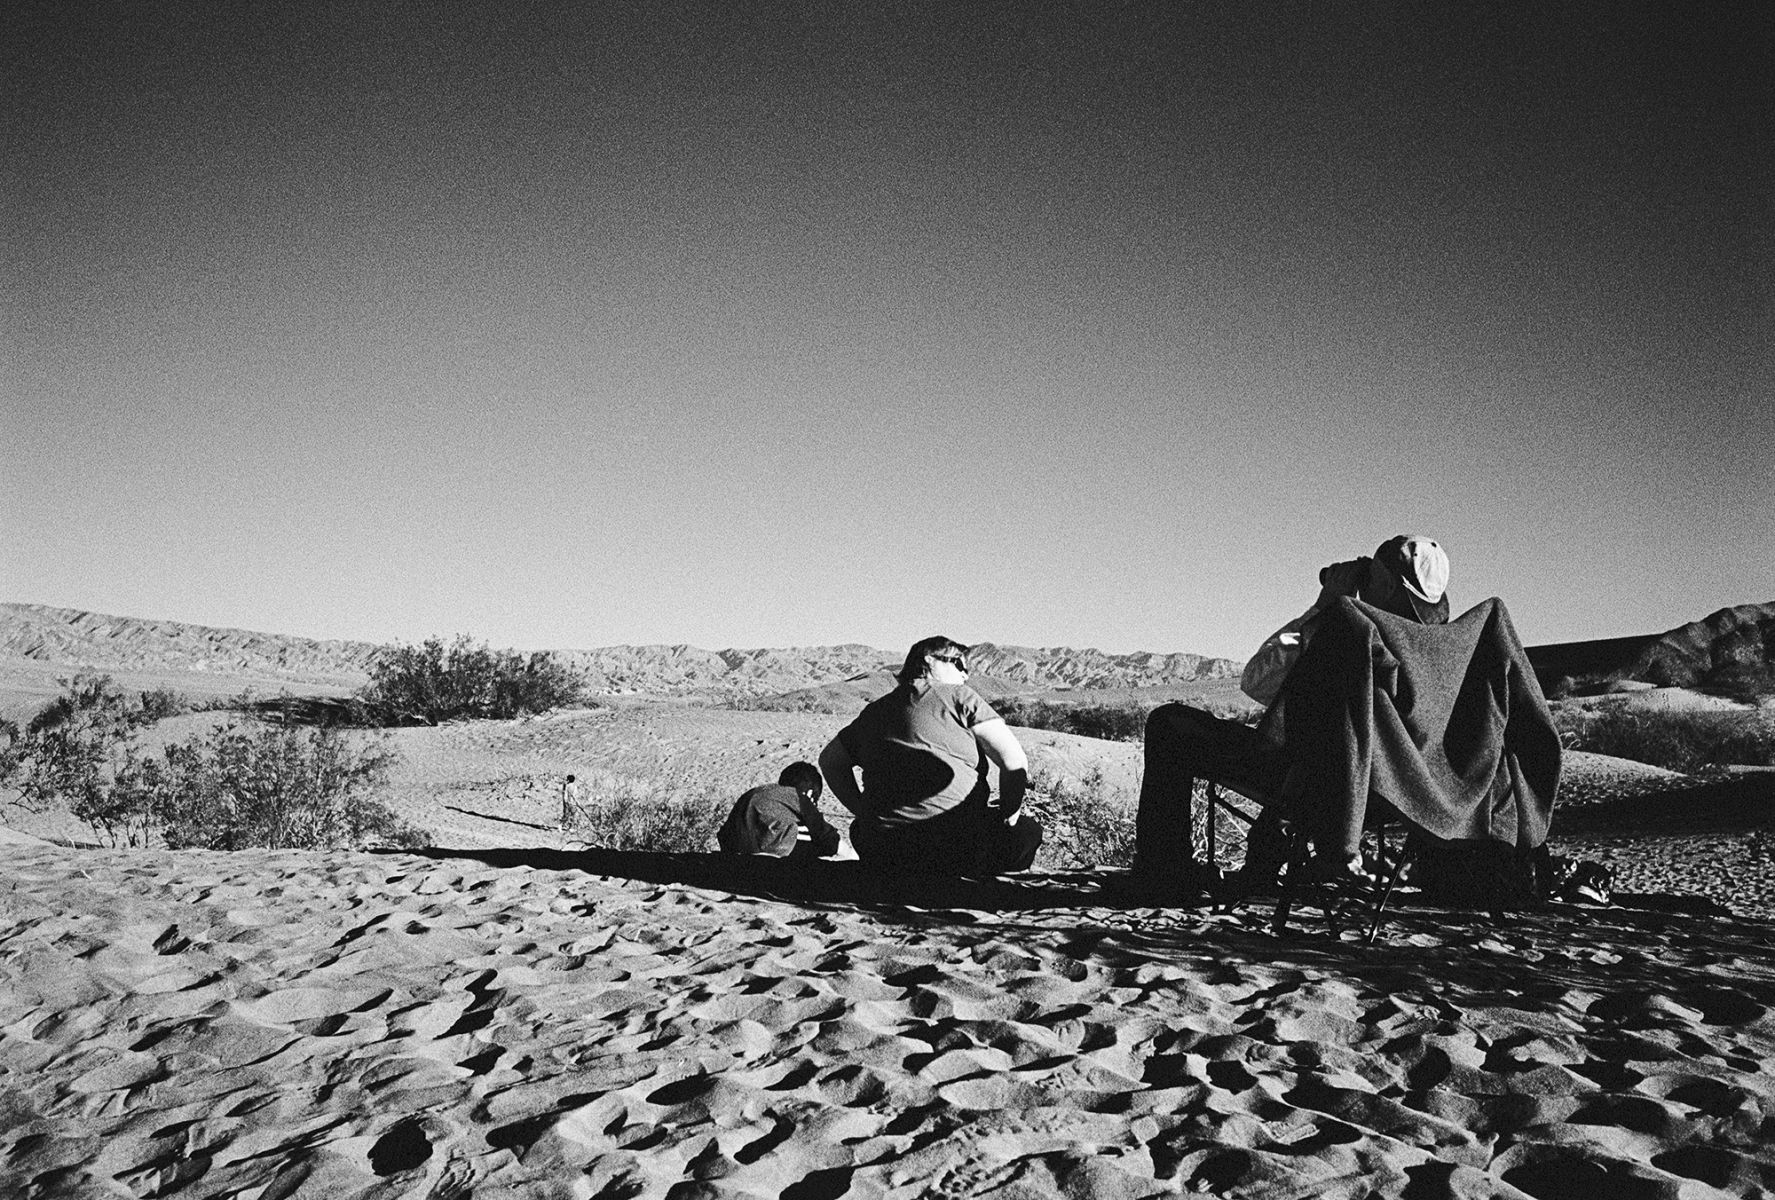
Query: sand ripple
264 1024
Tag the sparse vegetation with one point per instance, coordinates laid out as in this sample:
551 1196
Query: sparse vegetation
1679 741
274 786
622 813
1084 824
1746 681
76 749
435 681
1125 722
233 787
1117 723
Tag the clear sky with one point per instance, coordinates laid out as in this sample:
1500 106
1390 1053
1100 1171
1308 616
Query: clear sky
794 324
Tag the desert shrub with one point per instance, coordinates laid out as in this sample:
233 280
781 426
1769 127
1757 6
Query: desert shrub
277 787
1084 824
160 703
93 702
10 737
231 788
1125 722
435 681
1678 741
74 751
1746 682
1111 722
621 813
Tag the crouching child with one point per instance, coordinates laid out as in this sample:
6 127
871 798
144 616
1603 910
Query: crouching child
781 820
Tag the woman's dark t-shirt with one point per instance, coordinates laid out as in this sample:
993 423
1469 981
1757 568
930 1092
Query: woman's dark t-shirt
917 750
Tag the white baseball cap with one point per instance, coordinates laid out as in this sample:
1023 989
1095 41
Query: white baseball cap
1420 563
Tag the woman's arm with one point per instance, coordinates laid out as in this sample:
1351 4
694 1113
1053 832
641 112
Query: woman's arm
840 772
1003 748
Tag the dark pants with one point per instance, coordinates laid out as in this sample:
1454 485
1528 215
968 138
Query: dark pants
1184 744
966 841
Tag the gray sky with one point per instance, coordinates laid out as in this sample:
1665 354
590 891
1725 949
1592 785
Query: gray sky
747 325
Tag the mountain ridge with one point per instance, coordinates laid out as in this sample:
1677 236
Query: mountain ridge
79 639
1729 642
40 638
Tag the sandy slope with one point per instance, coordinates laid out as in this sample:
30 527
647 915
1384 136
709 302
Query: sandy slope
526 1023
501 1017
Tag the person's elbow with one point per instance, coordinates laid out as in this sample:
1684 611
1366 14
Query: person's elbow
1002 745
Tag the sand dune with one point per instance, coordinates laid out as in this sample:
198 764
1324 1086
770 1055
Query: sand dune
503 1023
501 1016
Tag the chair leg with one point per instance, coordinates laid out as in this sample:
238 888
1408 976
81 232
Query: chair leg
1292 877
1212 796
1207 849
1393 876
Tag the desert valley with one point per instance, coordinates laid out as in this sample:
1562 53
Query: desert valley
505 1008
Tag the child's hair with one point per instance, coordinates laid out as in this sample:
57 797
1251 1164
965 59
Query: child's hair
802 776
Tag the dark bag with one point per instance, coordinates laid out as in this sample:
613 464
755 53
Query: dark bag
1481 875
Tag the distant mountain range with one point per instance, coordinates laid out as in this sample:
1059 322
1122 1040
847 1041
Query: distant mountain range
67 637
39 639
77 640
1731 645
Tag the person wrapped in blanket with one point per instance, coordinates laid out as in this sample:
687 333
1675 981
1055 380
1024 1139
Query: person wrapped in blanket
925 805
1407 575
781 820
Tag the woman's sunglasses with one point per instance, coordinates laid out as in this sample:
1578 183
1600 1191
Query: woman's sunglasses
958 661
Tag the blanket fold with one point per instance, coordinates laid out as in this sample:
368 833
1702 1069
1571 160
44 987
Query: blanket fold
1446 723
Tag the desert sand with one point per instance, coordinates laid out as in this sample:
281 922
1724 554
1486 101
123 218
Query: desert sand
508 1014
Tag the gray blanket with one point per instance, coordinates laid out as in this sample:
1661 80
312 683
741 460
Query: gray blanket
1446 723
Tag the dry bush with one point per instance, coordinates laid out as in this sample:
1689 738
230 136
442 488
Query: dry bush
1110 722
1085 824
1123 722
231 788
1748 682
1677 740
623 813
79 753
273 786
435 681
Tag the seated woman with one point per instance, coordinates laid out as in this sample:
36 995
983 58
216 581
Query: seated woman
924 805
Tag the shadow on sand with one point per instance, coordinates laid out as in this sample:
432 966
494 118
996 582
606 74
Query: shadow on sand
817 881
487 816
1642 944
1733 802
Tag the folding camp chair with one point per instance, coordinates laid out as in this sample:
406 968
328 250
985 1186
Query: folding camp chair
1223 819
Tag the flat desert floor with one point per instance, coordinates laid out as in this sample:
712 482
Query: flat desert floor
505 1014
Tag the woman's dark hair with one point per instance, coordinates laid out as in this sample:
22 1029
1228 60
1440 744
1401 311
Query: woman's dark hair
914 666
803 777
